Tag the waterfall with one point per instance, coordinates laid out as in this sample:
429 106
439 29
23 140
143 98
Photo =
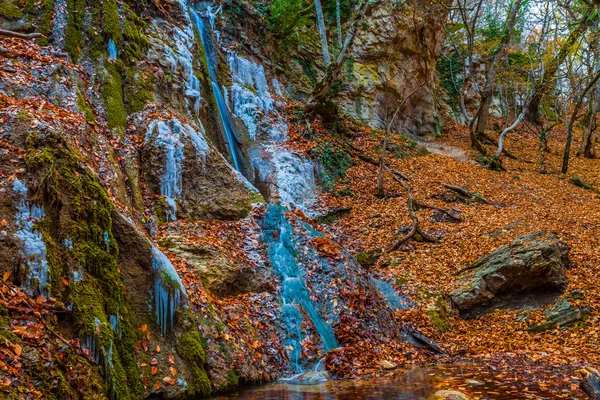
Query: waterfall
294 293
168 290
170 135
291 178
33 248
211 61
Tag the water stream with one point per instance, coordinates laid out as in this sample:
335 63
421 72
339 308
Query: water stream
412 384
295 295
211 61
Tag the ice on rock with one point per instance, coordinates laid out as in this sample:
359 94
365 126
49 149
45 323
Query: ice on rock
170 135
33 248
168 290
113 53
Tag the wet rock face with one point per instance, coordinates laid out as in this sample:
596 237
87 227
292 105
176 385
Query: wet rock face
221 276
211 188
534 264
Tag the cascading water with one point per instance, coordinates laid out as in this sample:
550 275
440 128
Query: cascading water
168 290
33 247
295 295
211 61
291 179
170 136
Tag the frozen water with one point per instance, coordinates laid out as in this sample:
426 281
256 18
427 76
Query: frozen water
294 293
33 248
112 50
168 290
170 135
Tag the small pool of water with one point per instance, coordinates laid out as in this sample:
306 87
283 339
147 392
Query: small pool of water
418 383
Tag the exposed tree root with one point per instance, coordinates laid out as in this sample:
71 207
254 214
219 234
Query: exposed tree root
464 194
415 229
4 32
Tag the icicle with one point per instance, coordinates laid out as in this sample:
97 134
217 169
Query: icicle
114 322
106 239
77 274
169 135
33 248
68 244
112 50
168 290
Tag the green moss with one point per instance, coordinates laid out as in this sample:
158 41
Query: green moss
10 11
112 92
45 21
437 313
139 90
110 21
190 348
365 259
74 31
85 108
5 332
232 379
78 207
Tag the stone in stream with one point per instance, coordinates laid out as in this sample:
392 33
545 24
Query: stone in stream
307 378
531 268
448 395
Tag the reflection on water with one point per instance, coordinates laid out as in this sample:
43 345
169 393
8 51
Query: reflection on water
418 383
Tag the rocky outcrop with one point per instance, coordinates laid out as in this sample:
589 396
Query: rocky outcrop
393 57
535 261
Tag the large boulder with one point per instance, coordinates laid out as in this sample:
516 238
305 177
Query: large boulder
535 263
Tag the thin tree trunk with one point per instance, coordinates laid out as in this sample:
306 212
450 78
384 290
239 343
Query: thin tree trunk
490 79
319 93
570 125
508 129
322 32
388 131
551 69
338 21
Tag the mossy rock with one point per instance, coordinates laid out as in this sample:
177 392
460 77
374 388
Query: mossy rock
77 206
190 348
112 92
10 11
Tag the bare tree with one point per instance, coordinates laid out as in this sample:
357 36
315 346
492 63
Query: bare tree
322 32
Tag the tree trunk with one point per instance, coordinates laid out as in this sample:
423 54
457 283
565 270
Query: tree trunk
571 124
319 94
20 35
338 21
551 69
322 32
490 79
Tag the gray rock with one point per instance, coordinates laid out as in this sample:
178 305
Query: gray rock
560 314
535 261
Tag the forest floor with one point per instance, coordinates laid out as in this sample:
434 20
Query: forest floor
522 201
